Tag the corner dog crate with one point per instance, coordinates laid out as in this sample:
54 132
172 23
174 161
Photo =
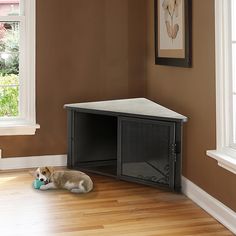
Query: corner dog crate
131 139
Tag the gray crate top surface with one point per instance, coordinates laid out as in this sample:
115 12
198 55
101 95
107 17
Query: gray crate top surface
135 106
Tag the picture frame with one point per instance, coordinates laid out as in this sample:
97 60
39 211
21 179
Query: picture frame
173 32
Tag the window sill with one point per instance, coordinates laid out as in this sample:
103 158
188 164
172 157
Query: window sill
224 160
17 128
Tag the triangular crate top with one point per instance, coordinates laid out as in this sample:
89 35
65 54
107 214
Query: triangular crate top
134 106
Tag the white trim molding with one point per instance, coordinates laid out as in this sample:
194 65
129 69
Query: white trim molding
223 58
225 161
17 128
225 152
215 208
32 162
28 91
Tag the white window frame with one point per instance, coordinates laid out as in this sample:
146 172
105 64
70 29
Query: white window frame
225 154
25 124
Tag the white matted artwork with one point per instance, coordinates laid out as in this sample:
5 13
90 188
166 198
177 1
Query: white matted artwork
172 32
171 24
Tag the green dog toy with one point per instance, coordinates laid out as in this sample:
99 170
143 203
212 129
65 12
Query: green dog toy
37 183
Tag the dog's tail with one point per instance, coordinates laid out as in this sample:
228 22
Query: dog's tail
83 188
86 184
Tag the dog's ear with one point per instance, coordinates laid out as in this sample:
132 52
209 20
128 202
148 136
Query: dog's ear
33 172
50 169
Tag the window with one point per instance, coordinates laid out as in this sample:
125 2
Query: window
225 40
233 40
17 67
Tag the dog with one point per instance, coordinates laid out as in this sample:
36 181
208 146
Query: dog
74 181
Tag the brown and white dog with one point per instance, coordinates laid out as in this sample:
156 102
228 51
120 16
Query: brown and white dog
74 181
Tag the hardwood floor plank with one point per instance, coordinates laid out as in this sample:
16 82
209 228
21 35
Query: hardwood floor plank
114 208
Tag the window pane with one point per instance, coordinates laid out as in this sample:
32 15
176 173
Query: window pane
234 65
9 7
234 20
234 88
9 69
233 5
9 96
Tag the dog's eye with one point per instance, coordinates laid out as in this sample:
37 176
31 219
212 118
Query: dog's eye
37 175
43 172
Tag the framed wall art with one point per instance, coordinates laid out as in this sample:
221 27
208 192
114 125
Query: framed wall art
173 26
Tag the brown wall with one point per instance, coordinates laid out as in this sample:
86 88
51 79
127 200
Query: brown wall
98 53
86 50
192 93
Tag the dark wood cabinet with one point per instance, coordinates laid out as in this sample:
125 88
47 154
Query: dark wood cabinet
134 146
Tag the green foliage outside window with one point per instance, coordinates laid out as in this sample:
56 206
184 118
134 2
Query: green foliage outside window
9 93
9 70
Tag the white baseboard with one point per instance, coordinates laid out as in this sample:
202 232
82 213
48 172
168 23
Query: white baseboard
32 162
215 208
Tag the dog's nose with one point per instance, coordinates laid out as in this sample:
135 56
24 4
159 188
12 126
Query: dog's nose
41 180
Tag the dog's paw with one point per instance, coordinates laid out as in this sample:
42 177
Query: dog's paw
77 190
43 187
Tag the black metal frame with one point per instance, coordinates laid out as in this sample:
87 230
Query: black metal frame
180 62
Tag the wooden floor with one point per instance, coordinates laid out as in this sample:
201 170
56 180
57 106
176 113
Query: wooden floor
113 208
